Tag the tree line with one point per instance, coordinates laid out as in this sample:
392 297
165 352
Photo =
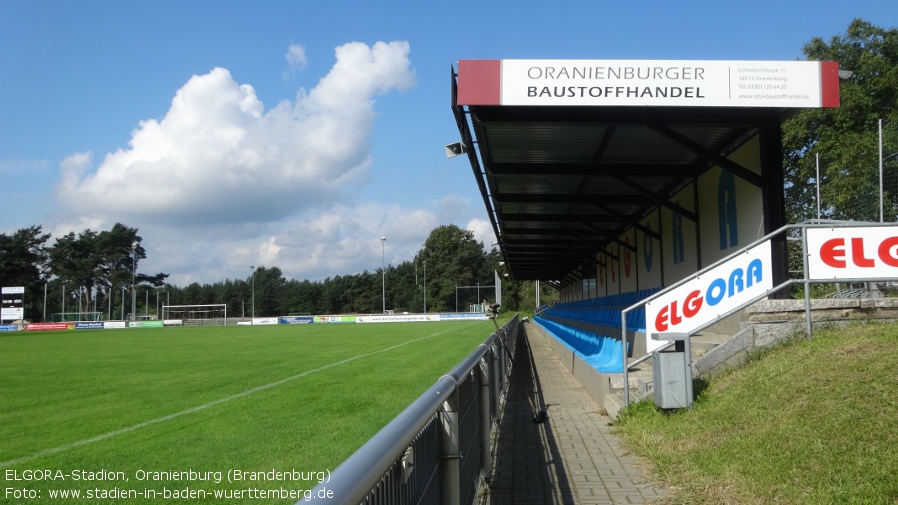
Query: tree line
95 271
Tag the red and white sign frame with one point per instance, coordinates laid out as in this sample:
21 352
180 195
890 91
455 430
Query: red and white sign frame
682 83
857 253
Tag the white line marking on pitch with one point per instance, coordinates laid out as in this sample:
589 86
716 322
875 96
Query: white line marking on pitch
98 438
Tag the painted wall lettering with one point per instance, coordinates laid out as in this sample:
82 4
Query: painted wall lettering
627 258
726 211
647 247
677 227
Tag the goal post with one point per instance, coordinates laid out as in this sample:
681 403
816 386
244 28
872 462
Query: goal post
214 314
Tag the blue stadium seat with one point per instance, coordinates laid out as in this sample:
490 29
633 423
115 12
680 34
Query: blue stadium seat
603 353
605 310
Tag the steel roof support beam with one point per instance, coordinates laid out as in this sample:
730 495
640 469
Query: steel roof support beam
590 169
617 241
688 214
713 157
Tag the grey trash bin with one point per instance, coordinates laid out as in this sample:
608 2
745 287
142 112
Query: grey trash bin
672 374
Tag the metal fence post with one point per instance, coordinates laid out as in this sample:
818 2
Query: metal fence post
450 480
503 353
807 283
485 416
497 375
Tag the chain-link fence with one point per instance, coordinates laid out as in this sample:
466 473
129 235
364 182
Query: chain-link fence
861 184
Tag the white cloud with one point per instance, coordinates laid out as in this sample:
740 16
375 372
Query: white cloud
218 157
454 207
483 231
344 239
296 57
268 251
74 167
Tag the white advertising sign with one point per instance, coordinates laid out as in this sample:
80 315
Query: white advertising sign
852 253
714 293
398 318
665 82
13 306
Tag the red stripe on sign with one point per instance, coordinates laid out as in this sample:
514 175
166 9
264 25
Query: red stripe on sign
829 84
479 82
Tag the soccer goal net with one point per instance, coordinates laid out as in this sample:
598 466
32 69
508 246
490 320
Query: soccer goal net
195 315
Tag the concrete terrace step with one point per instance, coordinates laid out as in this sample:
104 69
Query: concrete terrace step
704 342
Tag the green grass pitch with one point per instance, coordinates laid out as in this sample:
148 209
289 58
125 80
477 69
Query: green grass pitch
109 412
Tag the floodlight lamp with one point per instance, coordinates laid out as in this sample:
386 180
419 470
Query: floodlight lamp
454 149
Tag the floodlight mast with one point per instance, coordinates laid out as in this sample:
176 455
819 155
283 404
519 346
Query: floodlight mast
383 275
133 276
63 299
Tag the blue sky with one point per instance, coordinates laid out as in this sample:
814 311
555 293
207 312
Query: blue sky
296 134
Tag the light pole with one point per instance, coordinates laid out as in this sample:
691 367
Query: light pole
425 286
383 275
133 276
253 268
62 316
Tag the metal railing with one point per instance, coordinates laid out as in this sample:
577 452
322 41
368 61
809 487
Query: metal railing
438 449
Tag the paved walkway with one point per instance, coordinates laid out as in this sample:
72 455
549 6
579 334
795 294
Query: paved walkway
570 458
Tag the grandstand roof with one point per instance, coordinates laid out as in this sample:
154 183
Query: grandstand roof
564 177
